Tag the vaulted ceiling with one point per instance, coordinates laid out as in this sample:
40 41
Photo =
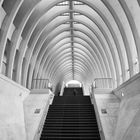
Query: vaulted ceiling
69 40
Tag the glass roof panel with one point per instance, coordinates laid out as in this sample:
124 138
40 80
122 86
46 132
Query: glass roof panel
78 3
64 3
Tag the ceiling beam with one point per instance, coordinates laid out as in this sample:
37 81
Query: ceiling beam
71 31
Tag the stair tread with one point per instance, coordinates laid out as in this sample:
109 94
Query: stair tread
70 130
69 138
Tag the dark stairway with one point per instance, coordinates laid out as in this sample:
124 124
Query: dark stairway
77 91
70 118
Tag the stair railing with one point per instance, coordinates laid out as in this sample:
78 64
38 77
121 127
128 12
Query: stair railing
103 83
41 84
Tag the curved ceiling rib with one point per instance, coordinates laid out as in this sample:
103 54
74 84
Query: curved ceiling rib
69 40
64 66
91 57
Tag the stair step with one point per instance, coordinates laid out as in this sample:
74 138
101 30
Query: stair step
70 130
69 138
72 137
71 109
71 125
48 133
68 110
71 105
71 113
69 121
61 122
69 117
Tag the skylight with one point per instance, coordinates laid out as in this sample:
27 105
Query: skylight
63 3
78 3
65 14
76 14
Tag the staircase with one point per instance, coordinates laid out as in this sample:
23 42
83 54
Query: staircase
70 118
77 91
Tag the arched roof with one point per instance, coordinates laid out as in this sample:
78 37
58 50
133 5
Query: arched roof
69 40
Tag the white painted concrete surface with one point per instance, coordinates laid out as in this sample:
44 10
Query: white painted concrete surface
108 106
35 101
128 123
11 88
12 125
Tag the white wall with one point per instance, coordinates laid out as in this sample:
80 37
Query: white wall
103 99
12 124
128 124
11 88
38 99
62 88
18 120
86 88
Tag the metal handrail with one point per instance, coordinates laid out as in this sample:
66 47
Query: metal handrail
40 84
103 83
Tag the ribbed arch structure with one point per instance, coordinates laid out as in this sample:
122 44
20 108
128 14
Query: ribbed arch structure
69 40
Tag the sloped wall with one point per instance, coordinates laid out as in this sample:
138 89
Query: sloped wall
35 107
11 88
107 105
12 125
128 124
